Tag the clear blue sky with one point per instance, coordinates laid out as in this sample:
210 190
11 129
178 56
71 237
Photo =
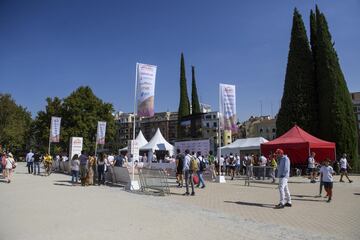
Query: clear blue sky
49 48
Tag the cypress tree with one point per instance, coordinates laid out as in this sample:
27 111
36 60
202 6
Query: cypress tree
184 105
336 114
299 100
313 37
195 105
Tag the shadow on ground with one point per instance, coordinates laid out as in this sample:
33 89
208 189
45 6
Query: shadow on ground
252 204
307 200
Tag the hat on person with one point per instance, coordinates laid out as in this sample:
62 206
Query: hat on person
10 155
279 151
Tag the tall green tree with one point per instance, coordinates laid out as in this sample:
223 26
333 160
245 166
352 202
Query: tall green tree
80 112
40 128
299 100
184 105
195 105
338 123
15 123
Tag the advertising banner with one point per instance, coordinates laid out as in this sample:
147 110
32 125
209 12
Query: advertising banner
228 107
101 131
202 146
133 148
55 129
145 89
76 145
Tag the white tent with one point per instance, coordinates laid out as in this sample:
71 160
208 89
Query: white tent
141 140
157 142
246 144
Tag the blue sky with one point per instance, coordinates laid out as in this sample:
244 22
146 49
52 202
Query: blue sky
49 48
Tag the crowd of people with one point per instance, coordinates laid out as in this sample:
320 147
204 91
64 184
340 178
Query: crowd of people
190 167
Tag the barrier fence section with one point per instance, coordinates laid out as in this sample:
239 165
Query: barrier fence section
259 173
154 181
118 175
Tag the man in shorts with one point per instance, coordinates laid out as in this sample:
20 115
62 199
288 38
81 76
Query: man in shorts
326 174
312 167
344 165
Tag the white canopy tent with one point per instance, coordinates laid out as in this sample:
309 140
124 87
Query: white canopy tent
246 144
157 143
141 140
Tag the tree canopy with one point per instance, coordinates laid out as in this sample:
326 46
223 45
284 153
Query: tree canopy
15 123
80 112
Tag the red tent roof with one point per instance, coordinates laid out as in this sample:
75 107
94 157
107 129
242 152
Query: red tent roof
297 135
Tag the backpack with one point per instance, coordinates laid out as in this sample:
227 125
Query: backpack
202 165
193 164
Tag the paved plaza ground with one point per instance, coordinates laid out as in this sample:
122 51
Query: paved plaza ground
39 207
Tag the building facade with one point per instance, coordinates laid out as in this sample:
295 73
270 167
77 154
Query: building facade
165 121
263 126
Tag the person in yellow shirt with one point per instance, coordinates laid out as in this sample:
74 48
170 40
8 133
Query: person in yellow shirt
48 163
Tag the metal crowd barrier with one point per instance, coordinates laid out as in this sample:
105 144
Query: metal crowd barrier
259 173
118 175
154 181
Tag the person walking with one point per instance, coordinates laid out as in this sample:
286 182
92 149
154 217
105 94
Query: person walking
273 165
188 172
211 161
37 160
10 165
179 168
75 168
3 163
91 167
101 169
283 175
262 164
326 174
30 161
201 169
83 167
312 167
344 165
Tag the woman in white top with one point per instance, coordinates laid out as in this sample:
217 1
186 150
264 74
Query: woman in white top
10 163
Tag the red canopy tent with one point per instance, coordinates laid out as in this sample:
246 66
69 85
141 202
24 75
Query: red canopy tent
298 144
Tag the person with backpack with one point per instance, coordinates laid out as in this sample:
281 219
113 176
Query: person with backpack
189 168
201 169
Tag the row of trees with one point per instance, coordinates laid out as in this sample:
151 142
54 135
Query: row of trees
315 95
80 112
184 105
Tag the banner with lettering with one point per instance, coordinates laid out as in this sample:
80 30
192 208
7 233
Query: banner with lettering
227 106
145 88
55 129
101 131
